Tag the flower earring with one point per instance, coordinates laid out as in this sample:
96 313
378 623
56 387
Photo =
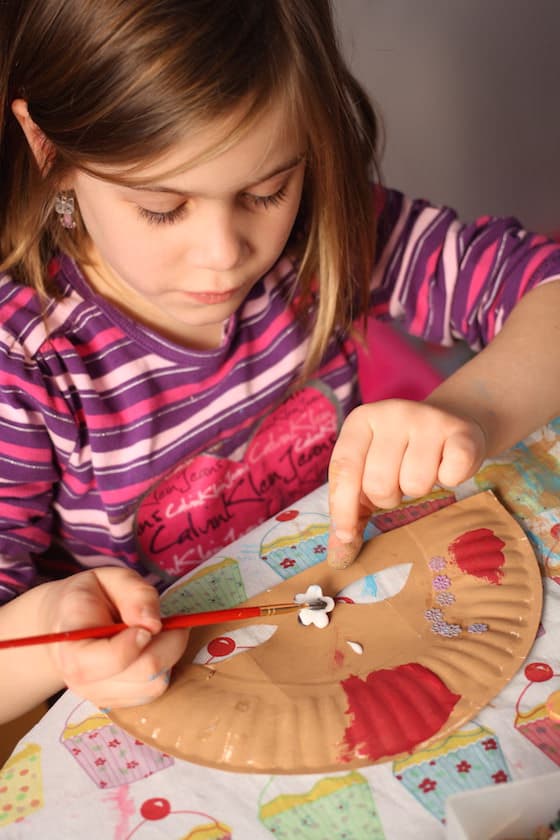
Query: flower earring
64 207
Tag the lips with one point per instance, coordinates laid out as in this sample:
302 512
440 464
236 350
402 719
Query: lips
212 297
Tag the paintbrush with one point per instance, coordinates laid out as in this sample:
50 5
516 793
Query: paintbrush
170 622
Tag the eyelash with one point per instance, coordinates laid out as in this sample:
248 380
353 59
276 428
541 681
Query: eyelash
167 218
267 201
171 216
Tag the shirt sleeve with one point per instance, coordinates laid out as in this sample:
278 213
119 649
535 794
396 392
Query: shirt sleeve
445 280
28 473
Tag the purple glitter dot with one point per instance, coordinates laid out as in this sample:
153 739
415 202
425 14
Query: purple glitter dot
437 564
434 615
445 599
477 628
441 582
442 628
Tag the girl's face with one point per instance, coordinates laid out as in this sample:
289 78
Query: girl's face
180 253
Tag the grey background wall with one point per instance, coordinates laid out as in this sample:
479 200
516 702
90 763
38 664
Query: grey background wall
469 92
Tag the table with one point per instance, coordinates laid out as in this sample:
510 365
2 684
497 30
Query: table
76 774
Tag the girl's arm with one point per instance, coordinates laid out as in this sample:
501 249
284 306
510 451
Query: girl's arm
28 676
397 447
511 387
125 670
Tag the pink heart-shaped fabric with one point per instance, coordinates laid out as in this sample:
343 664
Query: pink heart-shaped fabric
207 502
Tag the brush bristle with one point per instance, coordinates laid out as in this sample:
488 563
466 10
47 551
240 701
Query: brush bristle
318 604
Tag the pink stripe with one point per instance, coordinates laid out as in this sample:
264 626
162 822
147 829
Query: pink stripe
99 343
77 486
26 453
526 279
17 302
12 581
39 394
11 511
101 549
145 407
537 258
140 409
34 534
479 278
422 300
131 491
27 491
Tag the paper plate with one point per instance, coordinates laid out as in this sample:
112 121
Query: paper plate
450 609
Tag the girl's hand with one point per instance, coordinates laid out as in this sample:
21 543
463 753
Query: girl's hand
389 449
127 669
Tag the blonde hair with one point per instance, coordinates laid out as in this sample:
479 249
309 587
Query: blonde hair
118 82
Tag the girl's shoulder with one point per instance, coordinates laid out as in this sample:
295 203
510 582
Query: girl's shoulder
20 314
27 318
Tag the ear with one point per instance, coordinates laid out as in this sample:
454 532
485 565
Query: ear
42 148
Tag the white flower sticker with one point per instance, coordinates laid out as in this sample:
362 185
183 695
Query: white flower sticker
308 615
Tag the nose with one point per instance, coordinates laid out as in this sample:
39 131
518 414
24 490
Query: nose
217 244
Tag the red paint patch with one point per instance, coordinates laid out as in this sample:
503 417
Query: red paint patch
479 553
338 658
394 710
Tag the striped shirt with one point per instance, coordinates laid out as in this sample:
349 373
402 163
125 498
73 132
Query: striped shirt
119 447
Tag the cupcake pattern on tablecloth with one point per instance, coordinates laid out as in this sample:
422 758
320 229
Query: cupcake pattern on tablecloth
21 785
297 542
469 758
535 718
337 808
236 642
158 818
532 463
109 755
214 587
544 533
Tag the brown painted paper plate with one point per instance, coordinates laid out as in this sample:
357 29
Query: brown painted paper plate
431 622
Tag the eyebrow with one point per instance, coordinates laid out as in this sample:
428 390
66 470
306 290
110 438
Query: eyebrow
278 170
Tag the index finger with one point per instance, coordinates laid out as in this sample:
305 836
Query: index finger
346 471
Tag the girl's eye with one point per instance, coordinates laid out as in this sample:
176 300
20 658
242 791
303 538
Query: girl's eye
266 201
168 217
154 217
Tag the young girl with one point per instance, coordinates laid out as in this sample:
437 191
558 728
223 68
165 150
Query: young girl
188 233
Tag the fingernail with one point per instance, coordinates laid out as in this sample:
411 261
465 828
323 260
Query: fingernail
344 536
143 638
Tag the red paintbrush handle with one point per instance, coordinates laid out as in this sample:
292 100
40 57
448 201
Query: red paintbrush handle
171 622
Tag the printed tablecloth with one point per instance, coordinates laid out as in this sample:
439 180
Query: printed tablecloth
77 775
